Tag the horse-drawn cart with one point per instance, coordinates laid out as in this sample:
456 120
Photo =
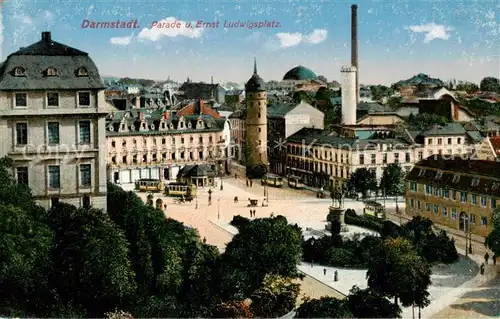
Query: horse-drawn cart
253 202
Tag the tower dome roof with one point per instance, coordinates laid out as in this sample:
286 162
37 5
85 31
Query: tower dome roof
255 83
300 73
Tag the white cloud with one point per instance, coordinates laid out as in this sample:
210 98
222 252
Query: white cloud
24 19
432 31
47 15
121 40
317 36
288 40
155 34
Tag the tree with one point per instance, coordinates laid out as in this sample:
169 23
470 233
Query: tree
322 78
233 309
90 258
368 303
396 270
276 297
25 263
299 96
380 91
490 84
468 87
392 182
324 307
423 121
264 246
492 241
362 181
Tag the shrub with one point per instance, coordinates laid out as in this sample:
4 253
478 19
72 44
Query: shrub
339 257
239 221
367 222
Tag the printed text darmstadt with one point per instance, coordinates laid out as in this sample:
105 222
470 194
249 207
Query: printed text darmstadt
216 24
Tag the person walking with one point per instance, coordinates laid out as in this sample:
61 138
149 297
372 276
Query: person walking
494 259
486 258
324 271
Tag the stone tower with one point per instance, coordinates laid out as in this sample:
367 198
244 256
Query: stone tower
256 122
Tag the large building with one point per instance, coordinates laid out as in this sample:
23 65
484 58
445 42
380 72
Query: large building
149 143
456 192
52 123
256 121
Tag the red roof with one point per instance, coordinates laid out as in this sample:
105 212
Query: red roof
495 143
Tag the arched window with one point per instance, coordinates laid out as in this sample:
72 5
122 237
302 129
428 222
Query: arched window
19 71
82 72
51 72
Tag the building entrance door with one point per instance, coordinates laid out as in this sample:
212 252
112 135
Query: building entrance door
166 174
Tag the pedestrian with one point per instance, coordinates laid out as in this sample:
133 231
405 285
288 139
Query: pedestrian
204 240
254 213
482 269
247 182
251 213
251 183
324 271
486 257
336 276
494 259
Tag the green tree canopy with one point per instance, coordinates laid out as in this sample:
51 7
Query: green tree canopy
264 246
468 87
367 303
396 270
362 181
423 121
493 239
392 182
380 91
324 307
276 297
490 84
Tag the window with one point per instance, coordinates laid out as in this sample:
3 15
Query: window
422 172
84 132
384 158
54 176
420 156
113 144
454 195
475 182
22 175
439 175
82 72
53 132
440 141
412 203
459 140
428 207
429 141
446 193
484 221
124 159
407 157
472 218
19 71
474 199
21 134
428 189
134 159
361 159
51 72
463 197
396 157
182 140
445 211
84 99
483 201
413 186
145 158
456 178
449 140
52 99
21 100
85 175
200 139
419 204
454 213
436 209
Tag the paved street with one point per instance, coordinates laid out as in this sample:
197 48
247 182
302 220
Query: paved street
303 208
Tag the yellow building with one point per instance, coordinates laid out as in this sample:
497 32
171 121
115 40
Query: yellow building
458 193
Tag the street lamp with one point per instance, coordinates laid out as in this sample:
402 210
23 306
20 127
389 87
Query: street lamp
218 208
466 230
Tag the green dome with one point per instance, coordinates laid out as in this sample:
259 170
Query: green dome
300 73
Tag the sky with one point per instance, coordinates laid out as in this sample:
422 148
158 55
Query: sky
397 39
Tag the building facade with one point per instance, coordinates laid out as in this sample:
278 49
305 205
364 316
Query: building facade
158 143
458 193
52 123
256 121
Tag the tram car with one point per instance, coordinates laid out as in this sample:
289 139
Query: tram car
272 180
295 182
149 185
180 189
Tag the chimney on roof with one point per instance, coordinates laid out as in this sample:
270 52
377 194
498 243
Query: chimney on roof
212 80
46 36
354 46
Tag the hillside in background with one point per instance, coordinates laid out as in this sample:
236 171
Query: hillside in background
419 80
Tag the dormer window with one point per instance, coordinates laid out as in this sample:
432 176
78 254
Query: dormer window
82 72
439 175
475 182
19 71
422 172
152 127
456 178
51 72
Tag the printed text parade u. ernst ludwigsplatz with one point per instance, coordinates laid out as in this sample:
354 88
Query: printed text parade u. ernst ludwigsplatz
175 24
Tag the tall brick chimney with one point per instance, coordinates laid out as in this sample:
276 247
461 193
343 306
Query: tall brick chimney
354 45
46 36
